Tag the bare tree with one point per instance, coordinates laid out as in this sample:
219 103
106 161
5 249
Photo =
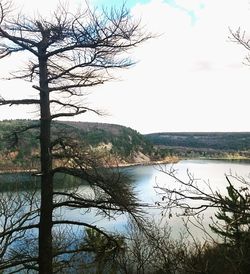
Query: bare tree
66 54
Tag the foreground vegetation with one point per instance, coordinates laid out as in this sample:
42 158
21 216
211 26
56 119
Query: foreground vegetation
225 248
144 248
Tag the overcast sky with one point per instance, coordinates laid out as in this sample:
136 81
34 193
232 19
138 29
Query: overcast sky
190 78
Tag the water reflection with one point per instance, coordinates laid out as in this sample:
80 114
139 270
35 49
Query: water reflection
145 178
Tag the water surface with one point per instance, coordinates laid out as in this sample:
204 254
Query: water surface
145 180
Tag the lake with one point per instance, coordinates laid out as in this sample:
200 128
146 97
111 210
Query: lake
145 178
206 172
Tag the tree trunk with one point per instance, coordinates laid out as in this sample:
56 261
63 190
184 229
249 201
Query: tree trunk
46 208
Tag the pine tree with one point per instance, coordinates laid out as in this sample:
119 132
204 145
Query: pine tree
233 226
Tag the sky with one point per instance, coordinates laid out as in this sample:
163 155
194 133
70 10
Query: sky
191 77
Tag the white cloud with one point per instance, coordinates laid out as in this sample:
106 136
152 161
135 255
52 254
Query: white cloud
190 78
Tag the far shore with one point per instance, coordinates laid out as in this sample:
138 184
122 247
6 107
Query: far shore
167 160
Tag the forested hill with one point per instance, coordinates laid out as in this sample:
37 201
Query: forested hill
207 144
19 147
128 144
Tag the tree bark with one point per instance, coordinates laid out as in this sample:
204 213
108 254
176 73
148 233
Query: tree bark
46 208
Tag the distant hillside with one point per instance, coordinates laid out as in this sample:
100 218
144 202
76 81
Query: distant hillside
214 144
126 143
21 148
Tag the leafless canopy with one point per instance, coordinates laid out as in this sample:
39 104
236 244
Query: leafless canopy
79 50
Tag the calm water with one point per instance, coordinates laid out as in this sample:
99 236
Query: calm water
147 177
210 172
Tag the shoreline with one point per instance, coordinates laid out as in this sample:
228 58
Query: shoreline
168 160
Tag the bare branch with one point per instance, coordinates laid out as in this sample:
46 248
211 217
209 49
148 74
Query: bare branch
19 102
68 114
